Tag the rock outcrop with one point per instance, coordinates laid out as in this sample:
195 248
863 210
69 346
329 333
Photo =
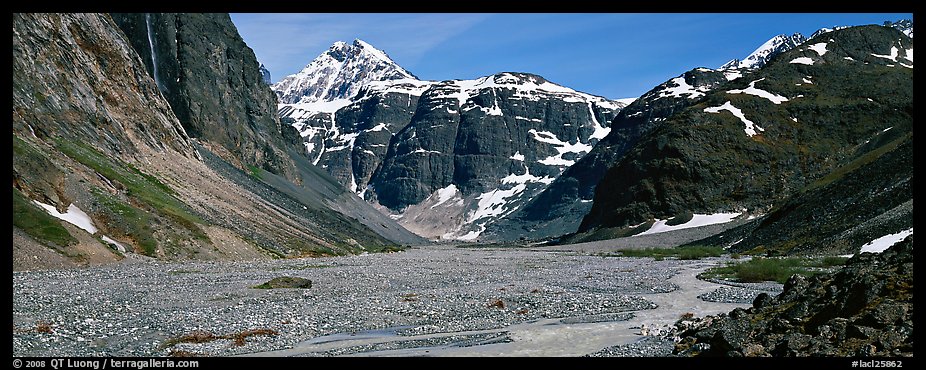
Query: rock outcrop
863 310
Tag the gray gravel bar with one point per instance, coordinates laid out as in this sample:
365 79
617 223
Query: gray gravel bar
427 296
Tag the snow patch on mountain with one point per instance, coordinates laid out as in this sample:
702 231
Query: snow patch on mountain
498 202
819 47
753 90
446 193
802 60
625 101
883 243
826 30
750 126
524 86
304 110
408 86
74 216
892 56
696 221
732 74
682 89
562 147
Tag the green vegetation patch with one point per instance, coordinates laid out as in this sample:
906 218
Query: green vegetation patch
38 223
779 269
144 188
695 252
255 172
128 221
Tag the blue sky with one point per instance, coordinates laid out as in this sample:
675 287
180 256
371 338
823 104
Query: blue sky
612 55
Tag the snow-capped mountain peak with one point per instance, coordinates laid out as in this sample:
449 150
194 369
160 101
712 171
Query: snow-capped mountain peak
903 25
774 46
339 73
782 43
826 30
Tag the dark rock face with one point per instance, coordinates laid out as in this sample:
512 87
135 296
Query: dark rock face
701 161
865 309
559 209
75 80
86 121
359 140
867 198
499 132
212 81
104 81
488 144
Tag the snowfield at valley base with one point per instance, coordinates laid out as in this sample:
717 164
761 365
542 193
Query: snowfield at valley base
428 301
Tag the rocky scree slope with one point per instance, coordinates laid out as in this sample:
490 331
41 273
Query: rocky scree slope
750 145
863 310
95 140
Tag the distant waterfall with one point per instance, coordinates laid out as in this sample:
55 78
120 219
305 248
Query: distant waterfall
154 59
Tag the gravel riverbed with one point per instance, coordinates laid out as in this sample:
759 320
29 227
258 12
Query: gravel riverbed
420 298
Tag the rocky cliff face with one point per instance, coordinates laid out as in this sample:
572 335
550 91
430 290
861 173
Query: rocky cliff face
757 140
212 81
103 86
863 310
480 149
104 170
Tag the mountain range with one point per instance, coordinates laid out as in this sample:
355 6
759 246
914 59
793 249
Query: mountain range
357 134
159 136
444 158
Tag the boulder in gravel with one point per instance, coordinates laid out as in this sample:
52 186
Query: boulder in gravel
286 282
